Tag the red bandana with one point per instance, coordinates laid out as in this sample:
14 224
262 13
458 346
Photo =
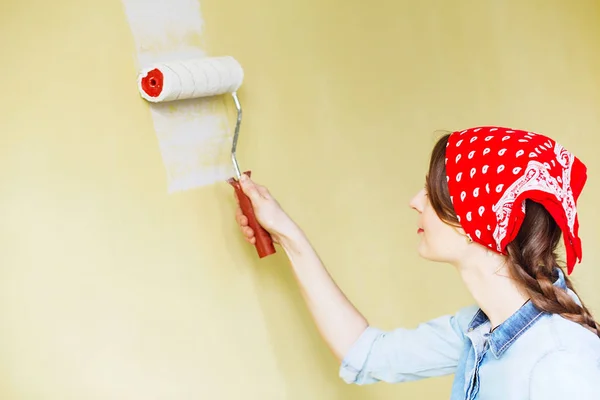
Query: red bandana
491 171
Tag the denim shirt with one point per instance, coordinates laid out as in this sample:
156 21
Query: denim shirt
532 355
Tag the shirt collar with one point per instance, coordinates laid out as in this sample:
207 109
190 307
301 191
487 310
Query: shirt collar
507 332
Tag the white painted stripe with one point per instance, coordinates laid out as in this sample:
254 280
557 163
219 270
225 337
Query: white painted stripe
194 135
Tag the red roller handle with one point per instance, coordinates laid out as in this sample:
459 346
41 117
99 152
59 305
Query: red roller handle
264 242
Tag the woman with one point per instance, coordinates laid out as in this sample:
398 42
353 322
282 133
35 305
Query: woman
494 206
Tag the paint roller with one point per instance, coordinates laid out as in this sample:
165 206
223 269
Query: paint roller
202 77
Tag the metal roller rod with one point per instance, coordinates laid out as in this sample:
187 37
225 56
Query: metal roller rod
238 106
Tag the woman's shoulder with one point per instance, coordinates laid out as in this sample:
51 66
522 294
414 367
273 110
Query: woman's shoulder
570 335
570 365
561 337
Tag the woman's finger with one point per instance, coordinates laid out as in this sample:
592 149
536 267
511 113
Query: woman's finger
249 232
241 219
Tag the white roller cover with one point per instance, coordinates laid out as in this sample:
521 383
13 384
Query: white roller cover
201 77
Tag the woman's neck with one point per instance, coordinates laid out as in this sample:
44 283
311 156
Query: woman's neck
493 289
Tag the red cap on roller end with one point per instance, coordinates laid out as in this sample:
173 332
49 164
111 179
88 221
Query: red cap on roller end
152 83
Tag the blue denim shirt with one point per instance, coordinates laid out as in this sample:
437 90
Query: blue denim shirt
532 355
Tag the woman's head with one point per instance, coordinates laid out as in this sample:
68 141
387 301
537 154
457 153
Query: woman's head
535 244
506 206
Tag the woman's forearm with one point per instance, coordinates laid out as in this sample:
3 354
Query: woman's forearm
338 321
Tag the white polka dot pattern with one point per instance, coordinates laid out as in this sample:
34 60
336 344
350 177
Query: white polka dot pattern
491 171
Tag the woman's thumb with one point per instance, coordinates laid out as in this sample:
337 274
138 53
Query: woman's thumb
249 188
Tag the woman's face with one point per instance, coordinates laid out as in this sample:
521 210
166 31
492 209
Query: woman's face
439 241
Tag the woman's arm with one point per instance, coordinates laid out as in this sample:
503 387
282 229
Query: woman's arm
367 354
338 321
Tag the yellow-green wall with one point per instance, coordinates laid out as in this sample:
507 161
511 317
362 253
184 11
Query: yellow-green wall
112 289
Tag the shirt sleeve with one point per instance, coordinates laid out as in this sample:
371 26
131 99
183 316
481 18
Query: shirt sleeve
563 375
431 349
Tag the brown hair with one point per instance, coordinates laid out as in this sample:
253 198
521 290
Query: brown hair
532 257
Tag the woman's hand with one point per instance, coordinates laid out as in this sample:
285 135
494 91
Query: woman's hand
268 212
